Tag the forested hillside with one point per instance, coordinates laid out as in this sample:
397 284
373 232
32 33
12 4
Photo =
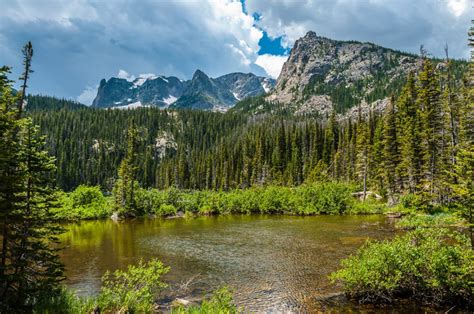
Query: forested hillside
417 144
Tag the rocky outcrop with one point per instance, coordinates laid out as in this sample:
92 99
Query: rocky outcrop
319 69
164 143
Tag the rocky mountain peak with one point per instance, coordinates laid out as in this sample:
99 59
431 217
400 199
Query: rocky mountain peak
323 74
201 92
198 74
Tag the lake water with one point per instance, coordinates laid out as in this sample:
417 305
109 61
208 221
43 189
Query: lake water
272 263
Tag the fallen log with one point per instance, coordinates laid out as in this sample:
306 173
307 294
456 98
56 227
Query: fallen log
367 194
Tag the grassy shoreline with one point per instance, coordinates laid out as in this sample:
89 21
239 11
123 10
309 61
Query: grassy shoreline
88 202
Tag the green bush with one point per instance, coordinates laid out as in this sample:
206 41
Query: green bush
63 300
332 198
206 210
167 210
429 221
369 206
433 265
85 202
133 290
221 302
148 201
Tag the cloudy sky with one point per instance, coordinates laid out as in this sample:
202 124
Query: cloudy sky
78 42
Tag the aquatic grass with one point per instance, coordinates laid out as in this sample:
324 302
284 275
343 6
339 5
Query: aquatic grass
220 302
415 221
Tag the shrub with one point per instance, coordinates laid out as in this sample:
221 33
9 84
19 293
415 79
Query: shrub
133 290
274 200
148 201
85 202
309 199
128 291
220 302
62 300
369 206
206 210
433 265
167 210
429 221
411 201
333 198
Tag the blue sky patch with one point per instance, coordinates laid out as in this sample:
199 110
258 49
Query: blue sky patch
271 46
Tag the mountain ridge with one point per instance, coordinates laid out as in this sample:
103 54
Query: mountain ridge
201 92
323 75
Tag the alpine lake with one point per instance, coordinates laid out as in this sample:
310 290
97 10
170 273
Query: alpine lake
272 263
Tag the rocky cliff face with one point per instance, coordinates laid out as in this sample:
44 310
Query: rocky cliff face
201 92
322 75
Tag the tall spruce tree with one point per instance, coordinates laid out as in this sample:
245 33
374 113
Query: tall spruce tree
363 150
431 136
126 184
391 152
463 185
30 267
409 131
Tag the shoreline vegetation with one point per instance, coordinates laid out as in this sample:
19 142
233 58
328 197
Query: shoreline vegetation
328 198
133 290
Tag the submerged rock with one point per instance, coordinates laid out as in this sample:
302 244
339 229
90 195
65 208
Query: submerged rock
179 301
115 216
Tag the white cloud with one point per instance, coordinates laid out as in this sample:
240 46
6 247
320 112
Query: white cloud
125 75
271 64
458 7
87 96
401 24
147 76
89 40
163 37
240 54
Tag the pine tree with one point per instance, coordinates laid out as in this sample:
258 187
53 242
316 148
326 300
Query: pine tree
362 149
126 184
377 158
463 186
431 136
11 183
391 151
27 56
409 131
30 267
37 265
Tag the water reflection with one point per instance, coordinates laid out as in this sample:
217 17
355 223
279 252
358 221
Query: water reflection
273 263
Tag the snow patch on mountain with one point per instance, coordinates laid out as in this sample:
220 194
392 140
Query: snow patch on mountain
142 78
266 86
169 100
236 95
133 105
